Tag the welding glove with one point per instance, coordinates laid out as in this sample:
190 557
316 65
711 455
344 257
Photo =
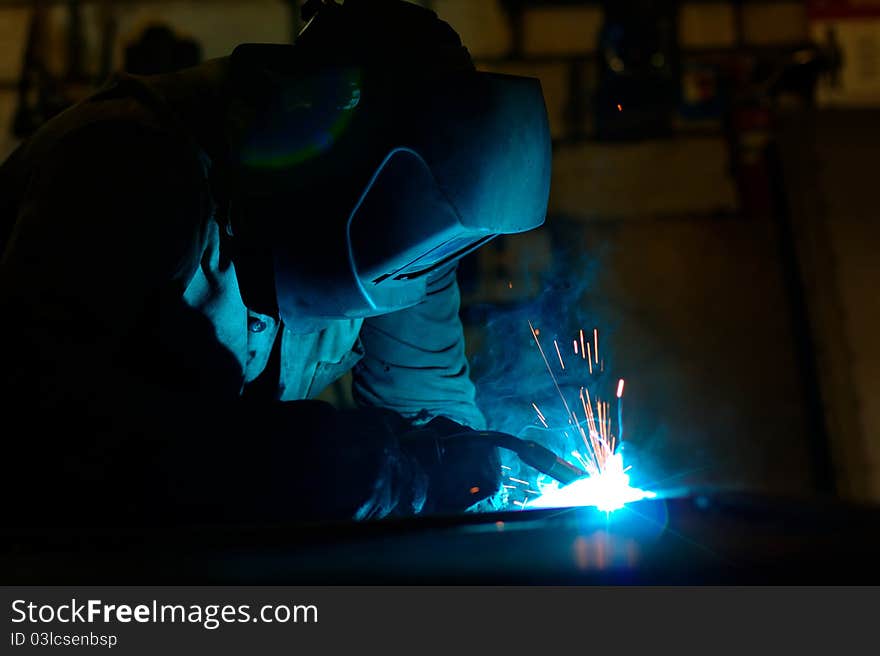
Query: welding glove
371 463
354 466
263 461
314 462
461 467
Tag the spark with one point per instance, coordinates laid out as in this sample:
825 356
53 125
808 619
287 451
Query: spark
606 485
584 403
541 416
561 363
591 439
535 334
619 108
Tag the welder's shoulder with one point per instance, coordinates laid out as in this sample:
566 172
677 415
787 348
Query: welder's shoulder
112 180
126 148
80 147
119 136
119 169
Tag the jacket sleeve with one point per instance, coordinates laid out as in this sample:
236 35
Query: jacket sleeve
414 359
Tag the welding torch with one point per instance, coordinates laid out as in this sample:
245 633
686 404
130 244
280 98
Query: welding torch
530 452
535 455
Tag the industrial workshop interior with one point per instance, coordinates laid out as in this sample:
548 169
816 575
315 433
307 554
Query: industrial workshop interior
629 336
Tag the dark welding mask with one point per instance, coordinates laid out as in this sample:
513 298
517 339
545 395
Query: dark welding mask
357 181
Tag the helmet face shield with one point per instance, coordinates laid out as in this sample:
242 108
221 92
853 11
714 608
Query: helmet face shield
418 180
403 229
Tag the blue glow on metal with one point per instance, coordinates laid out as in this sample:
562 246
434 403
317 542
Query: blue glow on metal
609 490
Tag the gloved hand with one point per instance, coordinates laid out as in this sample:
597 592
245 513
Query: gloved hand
385 467
315 462
462 468
355 465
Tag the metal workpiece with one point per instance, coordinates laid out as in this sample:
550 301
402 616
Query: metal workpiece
693 539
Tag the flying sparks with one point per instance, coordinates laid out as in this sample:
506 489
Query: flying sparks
607 484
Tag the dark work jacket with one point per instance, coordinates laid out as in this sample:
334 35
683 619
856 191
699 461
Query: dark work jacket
125 342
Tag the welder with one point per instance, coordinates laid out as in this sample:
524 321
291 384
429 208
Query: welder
190 259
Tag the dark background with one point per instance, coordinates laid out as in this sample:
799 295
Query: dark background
718 227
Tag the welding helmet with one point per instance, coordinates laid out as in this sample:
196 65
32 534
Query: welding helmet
375 157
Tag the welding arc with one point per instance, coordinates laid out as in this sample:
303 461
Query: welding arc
530 452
